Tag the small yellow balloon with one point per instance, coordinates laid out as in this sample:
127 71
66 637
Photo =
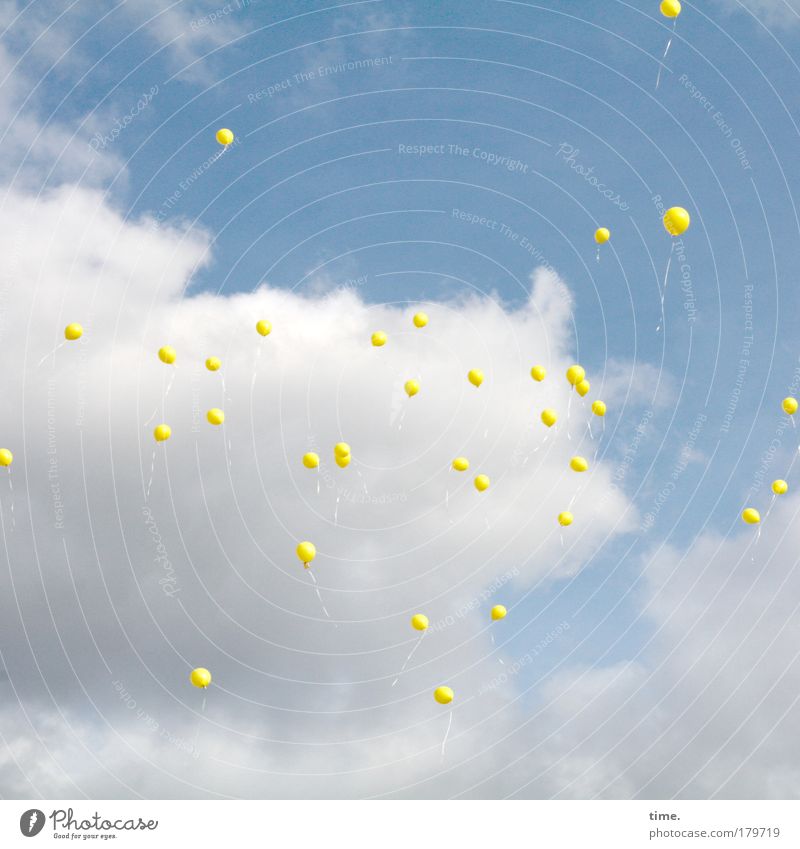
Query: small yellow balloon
263 327
213 364
601 235
411 387
224 136
751 516
578 464
162 432
341 449
461 464
6 457
167 355
73 332
215 416
379 339
498 612
200 677
475 377
598 408
343 462
790 405
311 460
583 387
538 373
676 220
482 483
420 319
670 8
306 551
443 695
779 487
549 417
565 518
575 374
419 621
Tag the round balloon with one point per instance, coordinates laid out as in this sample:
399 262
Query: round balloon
578 464
6 457
482 483
419 621
343 462
601 235
443 695
162 432
311 460
583 387
790 405
379 339
670 8
538 373
598 408
549 417
167 355
676 220
565 518
499 612
779 487
306 551
200 677
411 387
215 416
213 364
575 374
73 332
341 449
263 327
475 377
420 319
461 464
224 136
751 516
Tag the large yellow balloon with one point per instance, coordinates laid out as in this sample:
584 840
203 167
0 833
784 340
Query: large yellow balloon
200 677
420 319
167 355
461 464
162 432
379 339
583 387
306 551
670 8
475 377
443 695
565 518
411 387
549 417
575 374
598 408
499 612
263 327
482 483
779 487
6 457
419 621
538 373
676 220
224 136
341 449
601 235
790 405
311 460
578 464
73 332
213 364
751 516
215 416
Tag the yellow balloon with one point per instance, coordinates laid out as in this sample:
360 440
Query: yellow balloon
549 417
790 405
167 355
598 408
676 220
475 377
343 462
341 449
73 332
578 464
482 483
419 621
311 460
670 8
6 457
538 373
575 374
420 319
602 234
162 432
306 551
224 136
215 416
379 339
213 364
412 387
263 327
751 516
461 464
443 695
200 677
779 487
565 518
583 387
499 612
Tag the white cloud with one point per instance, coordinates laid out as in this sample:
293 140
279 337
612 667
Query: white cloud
772 12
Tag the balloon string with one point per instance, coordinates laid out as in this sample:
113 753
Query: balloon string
316 590
199 720
664 287
163 400
60 344
447 732
663 58
11 490
411 654
152 473
336 511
